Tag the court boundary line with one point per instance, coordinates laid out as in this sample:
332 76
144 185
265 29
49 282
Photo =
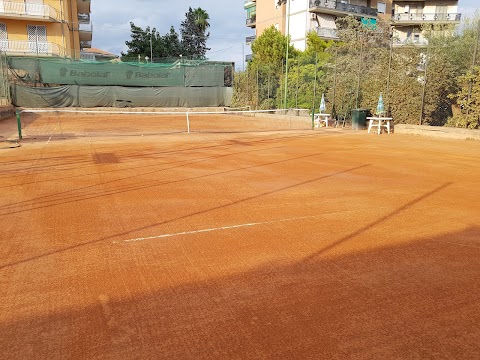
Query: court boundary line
193 232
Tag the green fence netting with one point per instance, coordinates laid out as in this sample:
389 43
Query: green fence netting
72 72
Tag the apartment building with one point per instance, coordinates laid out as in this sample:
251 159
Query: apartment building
298 17
55 28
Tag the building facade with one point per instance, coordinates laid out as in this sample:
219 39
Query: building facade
56 28
298 17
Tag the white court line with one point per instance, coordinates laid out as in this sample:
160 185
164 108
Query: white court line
213 229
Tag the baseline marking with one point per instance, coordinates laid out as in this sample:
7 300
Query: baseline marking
213 229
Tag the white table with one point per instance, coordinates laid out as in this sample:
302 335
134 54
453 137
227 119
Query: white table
379 122
319 118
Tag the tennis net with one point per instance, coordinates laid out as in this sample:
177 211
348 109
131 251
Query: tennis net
69 123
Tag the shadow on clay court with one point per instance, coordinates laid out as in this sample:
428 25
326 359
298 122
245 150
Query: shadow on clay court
2 266
417 299
56 162
78 194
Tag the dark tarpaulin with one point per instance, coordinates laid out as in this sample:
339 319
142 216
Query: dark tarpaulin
118 96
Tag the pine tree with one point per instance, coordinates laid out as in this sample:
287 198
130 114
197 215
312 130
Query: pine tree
194 33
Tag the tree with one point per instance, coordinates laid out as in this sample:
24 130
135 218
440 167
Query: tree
140 42
148 42
468 99
270 48
201 19
193 31
172 44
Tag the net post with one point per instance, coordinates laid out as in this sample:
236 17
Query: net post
19 124
188 124
313 118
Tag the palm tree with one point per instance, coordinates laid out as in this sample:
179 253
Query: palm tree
201 19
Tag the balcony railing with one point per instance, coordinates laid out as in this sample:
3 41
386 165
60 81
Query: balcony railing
250 39
87 56
252 20
86 44
86 27
249 3
410 41
327 33
427 17
25 9
39 48
84 18
331 6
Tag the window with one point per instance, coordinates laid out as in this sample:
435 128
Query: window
3 37
37 39
382 8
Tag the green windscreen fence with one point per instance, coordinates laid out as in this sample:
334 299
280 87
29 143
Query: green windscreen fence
119 96
71 72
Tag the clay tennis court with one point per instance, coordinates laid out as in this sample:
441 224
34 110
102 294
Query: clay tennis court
237 244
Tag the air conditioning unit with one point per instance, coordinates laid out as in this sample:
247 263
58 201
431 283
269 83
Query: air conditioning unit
313 16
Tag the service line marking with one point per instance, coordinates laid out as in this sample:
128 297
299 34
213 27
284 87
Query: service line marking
214 229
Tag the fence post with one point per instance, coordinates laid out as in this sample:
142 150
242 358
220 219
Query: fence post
19 124
314 91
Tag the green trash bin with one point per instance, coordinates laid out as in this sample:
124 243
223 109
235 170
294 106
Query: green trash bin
359 118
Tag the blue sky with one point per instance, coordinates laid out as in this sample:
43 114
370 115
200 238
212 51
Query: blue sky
227 18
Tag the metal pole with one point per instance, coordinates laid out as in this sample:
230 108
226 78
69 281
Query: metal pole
258 86
151 48
335 80
387 93
243 56
422 108
19 124
359 73
296 92
474 61
286 60
314 92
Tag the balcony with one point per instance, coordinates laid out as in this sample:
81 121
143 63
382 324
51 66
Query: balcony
28 11
85 44
85 31
251 21
31 48
328 34
249 3
87 56
84 6
250 39
83 18
339 8
410 41
423 18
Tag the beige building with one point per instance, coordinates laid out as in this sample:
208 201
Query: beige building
298 17
57 28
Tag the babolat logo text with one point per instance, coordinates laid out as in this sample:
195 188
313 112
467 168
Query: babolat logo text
91 74
140 75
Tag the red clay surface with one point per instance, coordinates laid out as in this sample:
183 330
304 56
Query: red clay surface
323 244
